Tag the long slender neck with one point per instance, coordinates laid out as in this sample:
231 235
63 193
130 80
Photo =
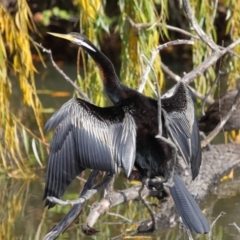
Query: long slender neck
113 87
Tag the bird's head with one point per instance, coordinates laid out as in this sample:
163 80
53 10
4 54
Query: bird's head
76 38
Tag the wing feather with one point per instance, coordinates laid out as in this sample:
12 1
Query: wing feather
180 119
87 136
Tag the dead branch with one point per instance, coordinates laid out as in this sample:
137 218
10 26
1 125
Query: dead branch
215 163
112 200
177 78
205 38
138 26
219 127
153 56
211 89
200 69
235 225
214 222
66 77
76 210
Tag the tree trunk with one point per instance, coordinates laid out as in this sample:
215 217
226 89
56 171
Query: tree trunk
215 162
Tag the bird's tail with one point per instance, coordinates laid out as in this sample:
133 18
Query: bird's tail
187 207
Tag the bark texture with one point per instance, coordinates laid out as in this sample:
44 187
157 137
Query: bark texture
215 162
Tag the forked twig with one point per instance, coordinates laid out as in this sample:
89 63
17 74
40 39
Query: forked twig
213 223
74 212
153 56
200 69
235 225
172 28
177 78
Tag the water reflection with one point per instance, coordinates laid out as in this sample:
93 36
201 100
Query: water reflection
23 215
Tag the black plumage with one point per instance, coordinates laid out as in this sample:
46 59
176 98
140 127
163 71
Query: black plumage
216 111
107 139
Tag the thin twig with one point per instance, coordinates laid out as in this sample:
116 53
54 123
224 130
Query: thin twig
225 118
147 25
210 91
158 96
74 212
153 56
169 27
213 223
189 234
66 77
81 179
120 236
235 225
120 216
86 196
177 78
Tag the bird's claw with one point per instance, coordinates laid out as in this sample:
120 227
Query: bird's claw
159 182
169 183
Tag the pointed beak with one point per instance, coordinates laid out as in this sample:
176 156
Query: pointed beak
72 39
64 36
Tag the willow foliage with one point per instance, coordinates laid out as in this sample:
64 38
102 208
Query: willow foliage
206 14
16 60
94 22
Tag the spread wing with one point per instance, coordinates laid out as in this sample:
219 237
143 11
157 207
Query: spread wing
87 136
180 119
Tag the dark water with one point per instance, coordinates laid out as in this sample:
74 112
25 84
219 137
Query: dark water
22 213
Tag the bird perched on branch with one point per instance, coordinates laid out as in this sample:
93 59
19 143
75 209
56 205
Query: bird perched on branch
123 135
216 112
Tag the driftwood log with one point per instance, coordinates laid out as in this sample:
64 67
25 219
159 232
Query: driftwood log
215 162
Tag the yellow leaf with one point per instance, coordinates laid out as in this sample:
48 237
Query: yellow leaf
228 177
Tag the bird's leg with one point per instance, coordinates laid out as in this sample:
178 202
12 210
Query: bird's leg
168 181
202 134
135 175
151 212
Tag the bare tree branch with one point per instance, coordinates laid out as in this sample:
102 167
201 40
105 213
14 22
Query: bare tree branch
76 210
66 77
189 77
112 200
152 214
210 91
210 172
147 25
235 225
214 222
153 56
177 78
218 128
205 38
